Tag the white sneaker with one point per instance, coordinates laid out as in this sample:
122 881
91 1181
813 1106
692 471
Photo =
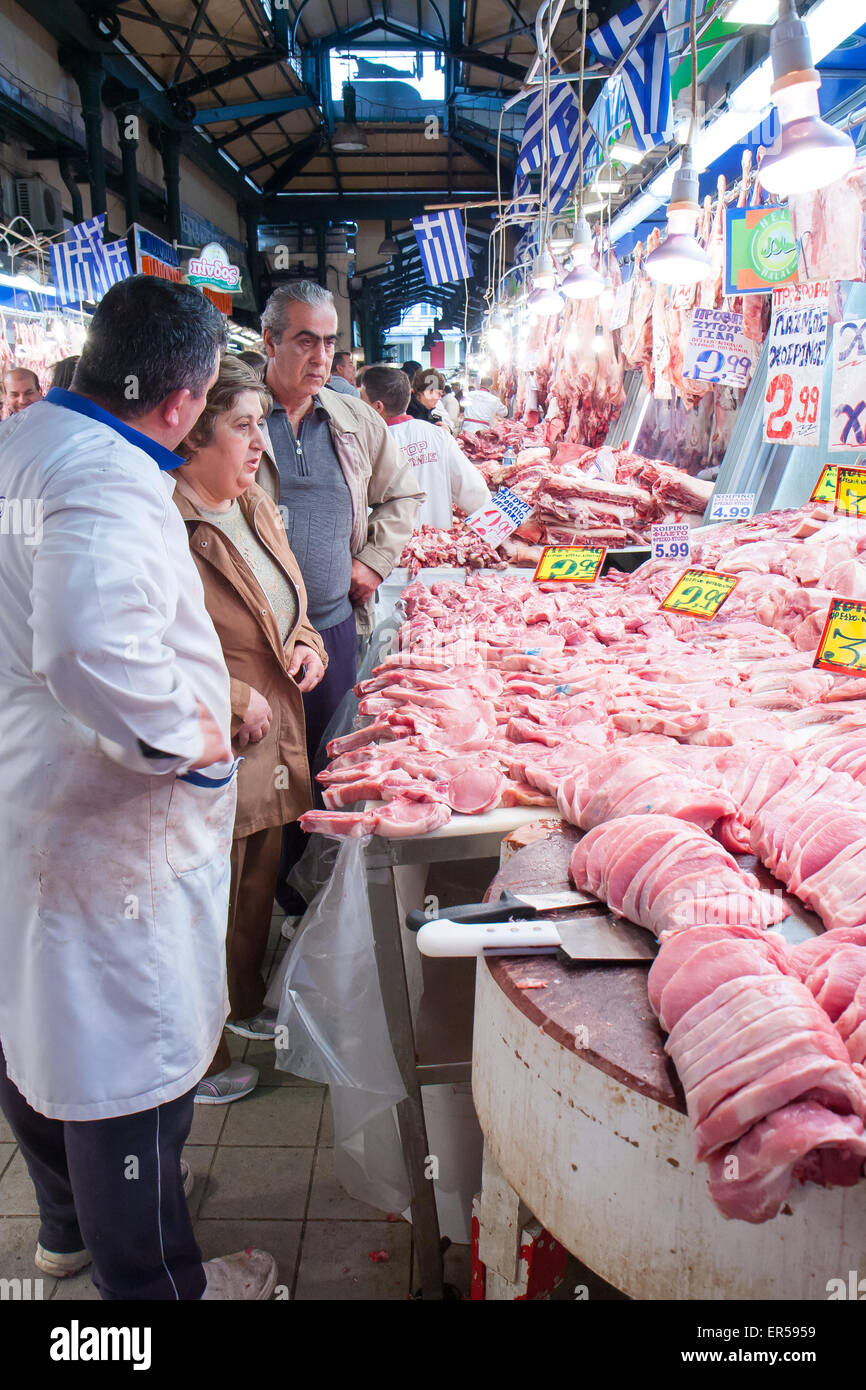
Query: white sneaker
61 1266
262 1027
233 1083
248 1275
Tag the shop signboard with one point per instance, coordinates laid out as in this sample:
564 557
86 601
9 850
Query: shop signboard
717 349
797 351
848 386
699 593
843 642
495 521
152 255
213 270
761 250
570 564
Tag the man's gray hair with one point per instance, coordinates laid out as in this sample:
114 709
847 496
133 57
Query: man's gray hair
293 292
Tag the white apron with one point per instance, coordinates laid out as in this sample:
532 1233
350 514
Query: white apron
114 872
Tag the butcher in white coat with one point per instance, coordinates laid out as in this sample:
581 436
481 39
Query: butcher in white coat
447 476
117 799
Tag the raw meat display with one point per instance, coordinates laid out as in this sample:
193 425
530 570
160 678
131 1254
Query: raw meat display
770 1087
679 746
667 875
430 548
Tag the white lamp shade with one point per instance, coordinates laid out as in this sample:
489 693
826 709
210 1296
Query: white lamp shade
545 302
582 283
680 260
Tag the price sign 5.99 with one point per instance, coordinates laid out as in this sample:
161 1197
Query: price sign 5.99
843 642
699 593
570 564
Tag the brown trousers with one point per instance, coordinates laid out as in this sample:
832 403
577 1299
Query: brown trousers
255 861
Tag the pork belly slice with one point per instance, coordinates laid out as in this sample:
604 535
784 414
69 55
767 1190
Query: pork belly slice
712 965
802 1141
678 947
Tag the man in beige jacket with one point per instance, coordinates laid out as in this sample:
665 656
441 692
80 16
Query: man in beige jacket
347 500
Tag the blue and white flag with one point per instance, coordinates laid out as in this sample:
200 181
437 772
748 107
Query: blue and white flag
442 243
563 116
115 264
646 72
91 231
77 270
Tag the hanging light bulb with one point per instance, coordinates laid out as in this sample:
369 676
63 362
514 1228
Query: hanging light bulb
572 340
809 153
582 282
607 297
598 339
681 260
543 272
544 302
348 137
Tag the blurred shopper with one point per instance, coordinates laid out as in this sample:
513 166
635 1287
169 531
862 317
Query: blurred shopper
442 469
481 407
116 812
448 409
342 378
255 595
21 388
63 371
255 359
427 388
410 368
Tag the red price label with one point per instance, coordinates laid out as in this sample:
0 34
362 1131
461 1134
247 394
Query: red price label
780 397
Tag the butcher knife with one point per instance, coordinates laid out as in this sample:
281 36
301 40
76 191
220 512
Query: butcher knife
591 938
507 906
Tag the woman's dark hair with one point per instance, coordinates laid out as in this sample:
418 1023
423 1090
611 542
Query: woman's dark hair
410 368
148 338
388 385
234 377
63 371
427 380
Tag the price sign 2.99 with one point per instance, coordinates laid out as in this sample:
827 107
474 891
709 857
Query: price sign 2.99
786 421
700 593
570 564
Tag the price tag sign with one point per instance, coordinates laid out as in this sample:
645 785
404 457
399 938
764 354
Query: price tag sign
503 514
717 349
843 642
848 386
700 593
797 350
732 506
670 542
825 488
570 564
851 491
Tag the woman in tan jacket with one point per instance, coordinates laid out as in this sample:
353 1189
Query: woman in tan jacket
255 595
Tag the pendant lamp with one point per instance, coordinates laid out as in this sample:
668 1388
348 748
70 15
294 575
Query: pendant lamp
582 282
809 153
681 260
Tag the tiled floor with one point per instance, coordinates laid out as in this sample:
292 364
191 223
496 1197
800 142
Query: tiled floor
263 1176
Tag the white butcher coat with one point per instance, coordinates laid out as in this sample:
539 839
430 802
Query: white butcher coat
447 476
114 871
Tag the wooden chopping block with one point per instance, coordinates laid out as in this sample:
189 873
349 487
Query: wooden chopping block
527 835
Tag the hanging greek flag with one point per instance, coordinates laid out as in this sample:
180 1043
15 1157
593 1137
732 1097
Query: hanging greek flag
115 264
91 231
442 243
646 72
77 272
563 116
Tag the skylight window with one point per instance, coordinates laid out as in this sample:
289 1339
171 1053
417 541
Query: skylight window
378 76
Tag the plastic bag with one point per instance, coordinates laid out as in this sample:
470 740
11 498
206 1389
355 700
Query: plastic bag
331 1027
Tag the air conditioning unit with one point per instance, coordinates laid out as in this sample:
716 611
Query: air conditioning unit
41 204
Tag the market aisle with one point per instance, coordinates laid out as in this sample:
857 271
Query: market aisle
264 1176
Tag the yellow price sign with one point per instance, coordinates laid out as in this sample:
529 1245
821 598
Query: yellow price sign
851 491
699 593
825 488
843 642
570 564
